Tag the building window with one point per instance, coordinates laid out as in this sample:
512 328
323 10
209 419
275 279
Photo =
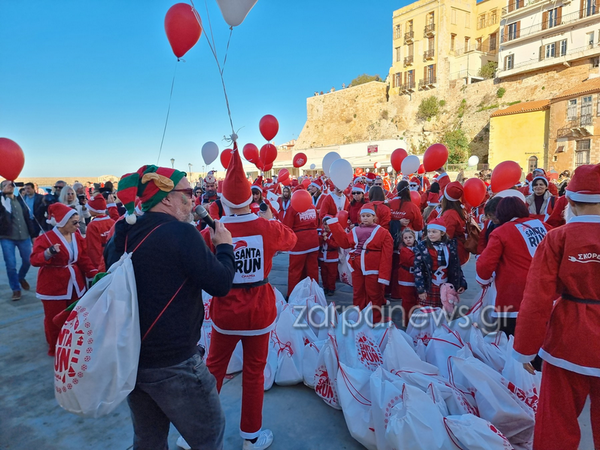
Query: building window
586 111
532 163
409 26
452 42
398 32
590 39
582 152
551 50
595 63
512 31
493 38
410 79
481 21
588 8
494 17
551 18
509 62
397 79
430 18
453 16
478 44
467 40
398 53
563 47
572 110
467 20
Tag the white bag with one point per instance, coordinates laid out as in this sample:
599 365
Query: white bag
386 391
358 346
469 432
521 382
271 366
423 322
443 344
355 399
344 267
288 343
98 348
310 359
486 351
326 374
400 355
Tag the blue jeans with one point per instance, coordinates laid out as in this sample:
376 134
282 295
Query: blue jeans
10 259
184 394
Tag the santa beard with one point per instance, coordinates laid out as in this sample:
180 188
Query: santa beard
568 213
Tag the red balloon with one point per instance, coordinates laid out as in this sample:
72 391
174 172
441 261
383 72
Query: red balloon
283 176
421 169
435 157
268 154
358 172
182 28
226 157
12 157
474 191
305 183
250 152
268 167
415 197
268 127
505 175
299 160
397 157
301 200
343 218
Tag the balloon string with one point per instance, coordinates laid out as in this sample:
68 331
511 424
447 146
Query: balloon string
168 112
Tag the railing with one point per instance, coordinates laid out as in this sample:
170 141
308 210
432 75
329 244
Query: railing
427 82
486 49
521 5
409 36
410 86
527 31
408 60
429 29
429 54
574 124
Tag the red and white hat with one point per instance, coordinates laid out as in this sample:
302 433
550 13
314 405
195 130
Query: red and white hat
371 176
317 183
236 191
358 187
437 224
59 214
210 178
539 177
454 191
368 208
97 204
415 180
584 187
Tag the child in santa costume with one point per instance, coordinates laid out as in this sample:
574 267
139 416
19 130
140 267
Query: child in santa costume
98 231
249 311
370 259
436 263
304 255
328 258
566 331
455 218
333 203
64 265
406 274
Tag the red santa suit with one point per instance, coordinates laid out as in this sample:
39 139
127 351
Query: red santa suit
406 281
283 207
508 253
443 180
328 260
332 204
456 229
370 261
383 214
557 218
304 256
354 212
97 232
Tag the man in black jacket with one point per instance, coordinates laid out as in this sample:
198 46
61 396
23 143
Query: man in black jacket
34 201
172 267
16 230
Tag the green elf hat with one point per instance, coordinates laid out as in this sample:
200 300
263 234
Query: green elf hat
151 184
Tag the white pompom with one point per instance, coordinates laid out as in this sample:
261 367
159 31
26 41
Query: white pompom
130 218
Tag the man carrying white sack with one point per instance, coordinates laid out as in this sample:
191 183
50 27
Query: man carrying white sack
248 312
566 333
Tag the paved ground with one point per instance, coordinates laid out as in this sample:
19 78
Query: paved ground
30 418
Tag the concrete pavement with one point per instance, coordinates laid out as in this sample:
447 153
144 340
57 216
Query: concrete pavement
30 418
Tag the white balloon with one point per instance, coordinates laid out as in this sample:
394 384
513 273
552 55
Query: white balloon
410 164
473 161
210 152
328 159
313 167
235 11
390 169
340 173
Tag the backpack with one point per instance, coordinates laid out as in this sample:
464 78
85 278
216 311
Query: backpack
473 232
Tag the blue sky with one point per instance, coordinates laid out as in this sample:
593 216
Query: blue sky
84 86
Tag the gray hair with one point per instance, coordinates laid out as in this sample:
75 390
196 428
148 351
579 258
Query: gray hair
62 198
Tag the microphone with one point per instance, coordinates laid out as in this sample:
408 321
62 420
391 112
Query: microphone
203 213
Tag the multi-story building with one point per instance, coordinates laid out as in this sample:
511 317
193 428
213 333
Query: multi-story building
542 35
436 41
574 137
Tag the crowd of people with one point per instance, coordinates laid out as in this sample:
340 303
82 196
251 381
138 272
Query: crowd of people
400 239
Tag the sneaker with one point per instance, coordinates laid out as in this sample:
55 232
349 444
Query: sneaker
330 293
182 444
16 296
24 284
265 439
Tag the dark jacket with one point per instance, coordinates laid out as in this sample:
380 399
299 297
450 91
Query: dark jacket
175 252
424 263
38 200
6 218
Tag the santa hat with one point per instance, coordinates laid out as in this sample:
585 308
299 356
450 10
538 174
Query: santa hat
236 191
454 191
415 180
540 177
368 208
97 204
529 177
294 182
371 176
151 184
539 169
59 214
210 178
358 187
584 187
317 183
327 217
437 224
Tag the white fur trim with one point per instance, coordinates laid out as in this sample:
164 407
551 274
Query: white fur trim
521 357
584 219
434 226
233 205
367 210
64 220
581 197
246 332
382 281
452 199
334 220
96 210
568 365
482 281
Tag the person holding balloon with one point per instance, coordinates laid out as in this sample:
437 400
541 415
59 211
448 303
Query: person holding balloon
284 202
333 203
455 218
370 258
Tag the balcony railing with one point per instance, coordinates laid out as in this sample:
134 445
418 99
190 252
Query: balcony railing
575 126
427 82
408 60
429 54
409 36
429 29
408 87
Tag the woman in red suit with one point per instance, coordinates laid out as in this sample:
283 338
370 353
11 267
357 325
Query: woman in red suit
454 218
64 265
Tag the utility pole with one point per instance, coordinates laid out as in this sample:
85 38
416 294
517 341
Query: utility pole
172 163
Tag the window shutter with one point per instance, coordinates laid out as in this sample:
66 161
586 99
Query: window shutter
505 33
544 20
559 15
433 74
425 73
506 63
541 52
582 8
511 5
518 34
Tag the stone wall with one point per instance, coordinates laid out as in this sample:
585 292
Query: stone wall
368 113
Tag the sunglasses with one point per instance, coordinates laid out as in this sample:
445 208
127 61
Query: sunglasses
356 193
58 187
189 192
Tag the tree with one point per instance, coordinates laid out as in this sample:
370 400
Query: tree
364 78
488 70
428 108
458 146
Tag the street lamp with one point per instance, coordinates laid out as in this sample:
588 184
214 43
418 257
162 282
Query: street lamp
190 169
172 163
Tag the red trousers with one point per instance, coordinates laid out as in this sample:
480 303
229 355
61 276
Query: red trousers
410 301
255 349
329 272
366 289
302 266
51 309
562 396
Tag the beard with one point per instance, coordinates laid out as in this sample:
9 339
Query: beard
568 213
